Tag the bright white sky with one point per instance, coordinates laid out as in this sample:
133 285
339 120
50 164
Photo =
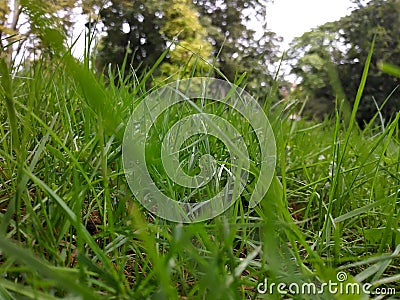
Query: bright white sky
291 18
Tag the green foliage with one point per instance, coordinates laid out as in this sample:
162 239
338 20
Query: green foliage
312 54
190 49
77 220
153 24
236 47
142 45
70 228
344 45
55 15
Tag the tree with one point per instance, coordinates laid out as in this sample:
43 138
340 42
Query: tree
19 26
191 50
380 18
224 24
238 48
314 57
330 59
142 41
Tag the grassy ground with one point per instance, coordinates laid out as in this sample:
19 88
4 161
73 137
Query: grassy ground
71 228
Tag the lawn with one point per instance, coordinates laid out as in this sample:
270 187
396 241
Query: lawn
72 228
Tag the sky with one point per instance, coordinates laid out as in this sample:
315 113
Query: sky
291 18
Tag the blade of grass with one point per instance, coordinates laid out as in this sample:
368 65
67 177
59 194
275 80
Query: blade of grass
29 259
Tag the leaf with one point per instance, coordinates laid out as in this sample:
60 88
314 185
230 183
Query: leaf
359 211
27 258
390 69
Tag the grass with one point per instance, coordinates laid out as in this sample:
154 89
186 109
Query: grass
71 228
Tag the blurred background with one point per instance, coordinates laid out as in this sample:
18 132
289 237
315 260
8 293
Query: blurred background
317 49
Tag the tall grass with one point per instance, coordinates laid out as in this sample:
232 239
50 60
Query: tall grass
70 226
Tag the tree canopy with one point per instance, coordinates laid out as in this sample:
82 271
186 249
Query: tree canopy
191 50
17 34
215 27
330 60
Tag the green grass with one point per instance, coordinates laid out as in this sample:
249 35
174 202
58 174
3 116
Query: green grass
71 228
